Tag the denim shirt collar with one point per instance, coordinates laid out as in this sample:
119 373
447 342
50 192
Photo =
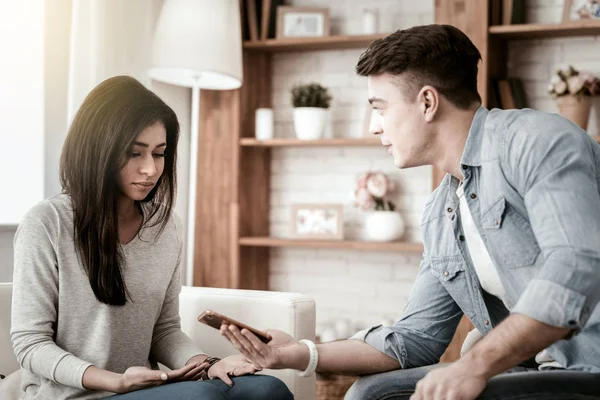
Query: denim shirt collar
471 157
472 152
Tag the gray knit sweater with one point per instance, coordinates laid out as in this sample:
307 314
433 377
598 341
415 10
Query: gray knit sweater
59 328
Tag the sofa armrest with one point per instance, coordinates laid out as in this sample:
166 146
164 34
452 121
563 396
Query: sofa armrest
289 312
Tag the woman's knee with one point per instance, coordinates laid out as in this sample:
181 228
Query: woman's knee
265 387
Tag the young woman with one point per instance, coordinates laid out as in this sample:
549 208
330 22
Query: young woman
97 279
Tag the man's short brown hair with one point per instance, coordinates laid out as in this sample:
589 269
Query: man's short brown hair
438 55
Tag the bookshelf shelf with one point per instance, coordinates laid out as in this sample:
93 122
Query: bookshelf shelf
284 142
339 42
543 31
331 244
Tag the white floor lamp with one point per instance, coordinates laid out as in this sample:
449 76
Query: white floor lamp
197 44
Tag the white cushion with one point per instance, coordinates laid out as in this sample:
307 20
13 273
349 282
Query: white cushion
10 388
8 361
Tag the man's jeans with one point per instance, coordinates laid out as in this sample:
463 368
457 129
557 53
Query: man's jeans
518 383
250 387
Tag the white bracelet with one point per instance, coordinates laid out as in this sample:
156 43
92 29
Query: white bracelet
313 361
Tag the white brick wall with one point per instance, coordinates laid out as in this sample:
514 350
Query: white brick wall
368 287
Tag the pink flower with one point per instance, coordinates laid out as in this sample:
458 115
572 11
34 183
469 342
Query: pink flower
362 180
575 83
377 185
560 87
363 198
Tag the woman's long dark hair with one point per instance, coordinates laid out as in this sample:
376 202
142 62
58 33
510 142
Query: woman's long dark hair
96 148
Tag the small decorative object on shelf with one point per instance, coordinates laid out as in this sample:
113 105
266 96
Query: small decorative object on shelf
311 105
383 223
295 22
318 221
572 90
263 124
369 22
575 10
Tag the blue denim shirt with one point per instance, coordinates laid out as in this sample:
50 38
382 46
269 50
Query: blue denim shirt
531 181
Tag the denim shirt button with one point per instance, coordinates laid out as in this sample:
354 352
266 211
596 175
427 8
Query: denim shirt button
449 209
473 196
446 273
462 238
486 322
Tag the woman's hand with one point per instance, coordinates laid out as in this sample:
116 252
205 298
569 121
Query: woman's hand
234 366
135 378
271 355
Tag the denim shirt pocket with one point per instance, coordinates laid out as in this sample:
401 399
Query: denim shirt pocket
510 234
447 268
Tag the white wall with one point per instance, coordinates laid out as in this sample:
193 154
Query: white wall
21 108
368 287
22 115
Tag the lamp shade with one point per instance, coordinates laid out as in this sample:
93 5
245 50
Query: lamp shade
198 43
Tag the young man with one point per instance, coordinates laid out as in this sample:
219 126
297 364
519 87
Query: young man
511 240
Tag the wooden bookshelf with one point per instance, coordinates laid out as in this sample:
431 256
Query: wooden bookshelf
331 244
291 142
545 31
339 42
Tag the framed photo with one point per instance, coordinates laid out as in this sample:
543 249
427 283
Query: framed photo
295 22
318 221
581 10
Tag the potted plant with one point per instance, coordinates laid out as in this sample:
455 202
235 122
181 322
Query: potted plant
383 222
572 91
311 103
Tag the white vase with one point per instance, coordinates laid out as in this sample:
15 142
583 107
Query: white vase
384 226
264 124
309 122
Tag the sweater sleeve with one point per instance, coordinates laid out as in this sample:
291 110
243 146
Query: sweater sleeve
170 346
35 299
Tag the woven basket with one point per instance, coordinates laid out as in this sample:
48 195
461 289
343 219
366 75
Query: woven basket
333 387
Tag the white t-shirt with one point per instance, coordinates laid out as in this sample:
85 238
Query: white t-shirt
484 266
486 272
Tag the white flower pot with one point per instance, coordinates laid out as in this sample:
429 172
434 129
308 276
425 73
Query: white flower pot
384 226
309 122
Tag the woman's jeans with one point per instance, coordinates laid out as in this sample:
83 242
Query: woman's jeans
249 387
519 383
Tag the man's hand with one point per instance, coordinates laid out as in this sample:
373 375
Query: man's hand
272 355
234 366
456 382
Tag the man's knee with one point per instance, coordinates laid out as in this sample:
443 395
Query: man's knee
398 384
377 386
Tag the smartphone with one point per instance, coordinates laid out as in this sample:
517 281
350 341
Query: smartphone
214 319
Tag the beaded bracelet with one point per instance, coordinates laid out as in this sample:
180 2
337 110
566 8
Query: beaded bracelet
211 361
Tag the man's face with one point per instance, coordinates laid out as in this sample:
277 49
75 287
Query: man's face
399 120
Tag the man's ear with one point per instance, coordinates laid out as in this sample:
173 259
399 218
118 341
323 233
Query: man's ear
429 101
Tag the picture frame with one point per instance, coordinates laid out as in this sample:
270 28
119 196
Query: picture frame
317 221
581 10
302 22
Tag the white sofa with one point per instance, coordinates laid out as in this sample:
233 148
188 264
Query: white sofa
289 312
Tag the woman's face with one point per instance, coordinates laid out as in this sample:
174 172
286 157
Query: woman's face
145 164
